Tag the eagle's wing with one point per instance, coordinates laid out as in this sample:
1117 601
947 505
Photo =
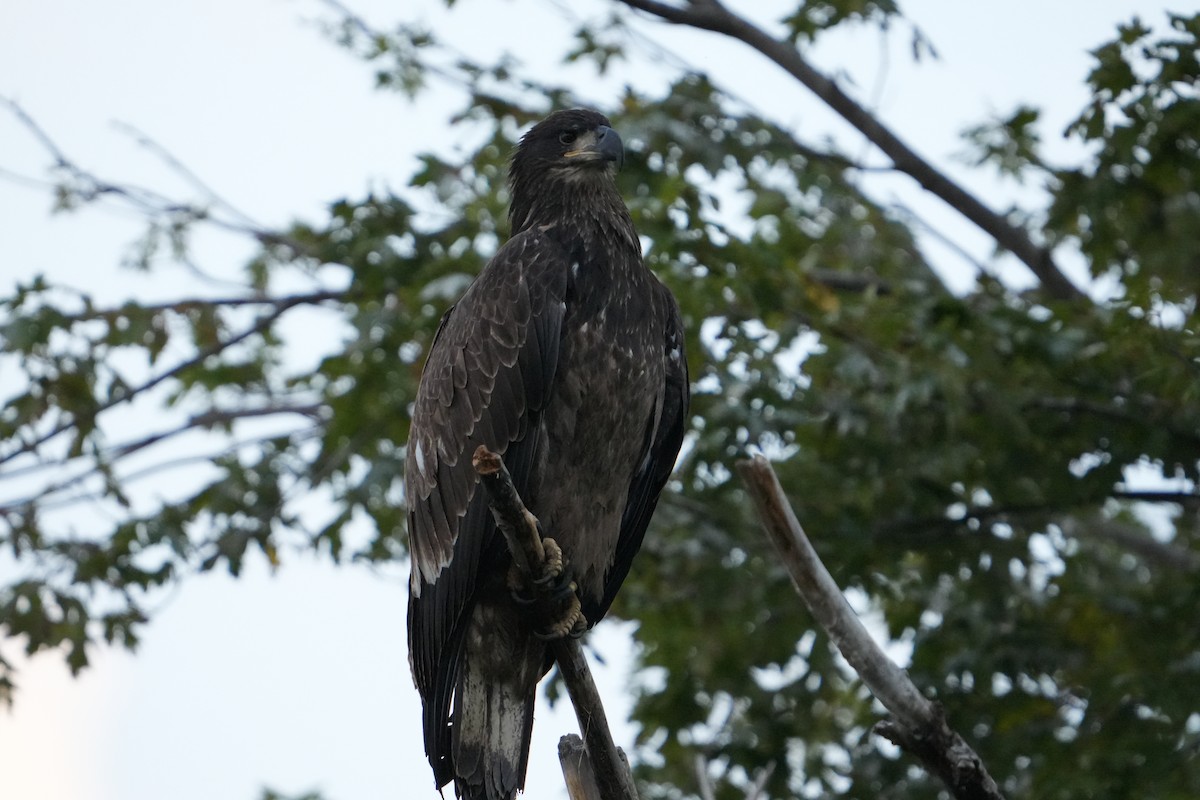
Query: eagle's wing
663 438
487 380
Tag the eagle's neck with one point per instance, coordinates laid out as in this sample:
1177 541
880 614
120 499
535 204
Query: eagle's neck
587 215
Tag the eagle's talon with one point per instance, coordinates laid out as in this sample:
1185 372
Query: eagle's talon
553 565
522 598
570 622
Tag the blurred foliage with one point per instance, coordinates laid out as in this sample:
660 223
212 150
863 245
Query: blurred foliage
271 794
969 465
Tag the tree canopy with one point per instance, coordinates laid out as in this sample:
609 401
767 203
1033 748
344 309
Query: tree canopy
1003 477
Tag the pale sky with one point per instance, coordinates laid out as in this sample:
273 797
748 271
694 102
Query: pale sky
299 680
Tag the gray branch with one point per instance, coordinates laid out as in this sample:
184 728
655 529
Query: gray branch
713 16
918 725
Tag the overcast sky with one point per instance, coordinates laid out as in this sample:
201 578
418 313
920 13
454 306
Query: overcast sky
299 679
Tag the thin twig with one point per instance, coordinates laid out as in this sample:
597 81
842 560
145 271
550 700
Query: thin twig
703 782
1186 499
760 781
144 140
85 186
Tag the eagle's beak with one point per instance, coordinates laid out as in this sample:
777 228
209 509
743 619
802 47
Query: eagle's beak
602 144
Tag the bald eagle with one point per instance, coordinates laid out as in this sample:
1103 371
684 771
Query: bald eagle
565 356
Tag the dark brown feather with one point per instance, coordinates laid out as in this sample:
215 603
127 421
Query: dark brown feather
565 356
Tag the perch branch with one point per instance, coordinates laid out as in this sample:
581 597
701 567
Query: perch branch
520 530
918 724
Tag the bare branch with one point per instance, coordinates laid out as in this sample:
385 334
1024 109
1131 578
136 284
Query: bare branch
1185 499
849 281
711 15
577 769
520 530
611 768
205 420
86 186
60 160
918 725
186 304
760 781
144 140
1135 541
703 782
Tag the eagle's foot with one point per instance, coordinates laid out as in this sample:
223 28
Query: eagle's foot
553 595
551 582
564 615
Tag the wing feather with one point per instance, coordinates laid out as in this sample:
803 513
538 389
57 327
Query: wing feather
487 380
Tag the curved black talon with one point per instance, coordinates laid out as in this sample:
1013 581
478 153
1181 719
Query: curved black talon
523 598
552 631
558 587
547 580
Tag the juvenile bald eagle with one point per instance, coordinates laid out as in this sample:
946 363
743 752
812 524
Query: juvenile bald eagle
566 356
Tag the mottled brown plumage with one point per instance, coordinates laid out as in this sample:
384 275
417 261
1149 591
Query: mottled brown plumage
566 356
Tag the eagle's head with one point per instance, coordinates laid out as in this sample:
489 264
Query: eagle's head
576 144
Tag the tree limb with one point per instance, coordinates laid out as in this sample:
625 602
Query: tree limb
713 16
520 530
47 497
186 304
119 397
1185 499
1127 537
918 725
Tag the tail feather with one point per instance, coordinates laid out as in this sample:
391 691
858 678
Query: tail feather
493 722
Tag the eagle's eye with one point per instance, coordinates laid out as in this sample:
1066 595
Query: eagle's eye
567 137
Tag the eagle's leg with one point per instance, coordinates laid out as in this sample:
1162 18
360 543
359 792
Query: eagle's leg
553 594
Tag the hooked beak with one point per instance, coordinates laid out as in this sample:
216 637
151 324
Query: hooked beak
602 144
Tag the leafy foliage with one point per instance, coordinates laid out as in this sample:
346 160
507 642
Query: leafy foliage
1141 189
968 464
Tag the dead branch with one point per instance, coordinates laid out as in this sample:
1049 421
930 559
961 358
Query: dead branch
577 769
520 530
918 724
713 16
